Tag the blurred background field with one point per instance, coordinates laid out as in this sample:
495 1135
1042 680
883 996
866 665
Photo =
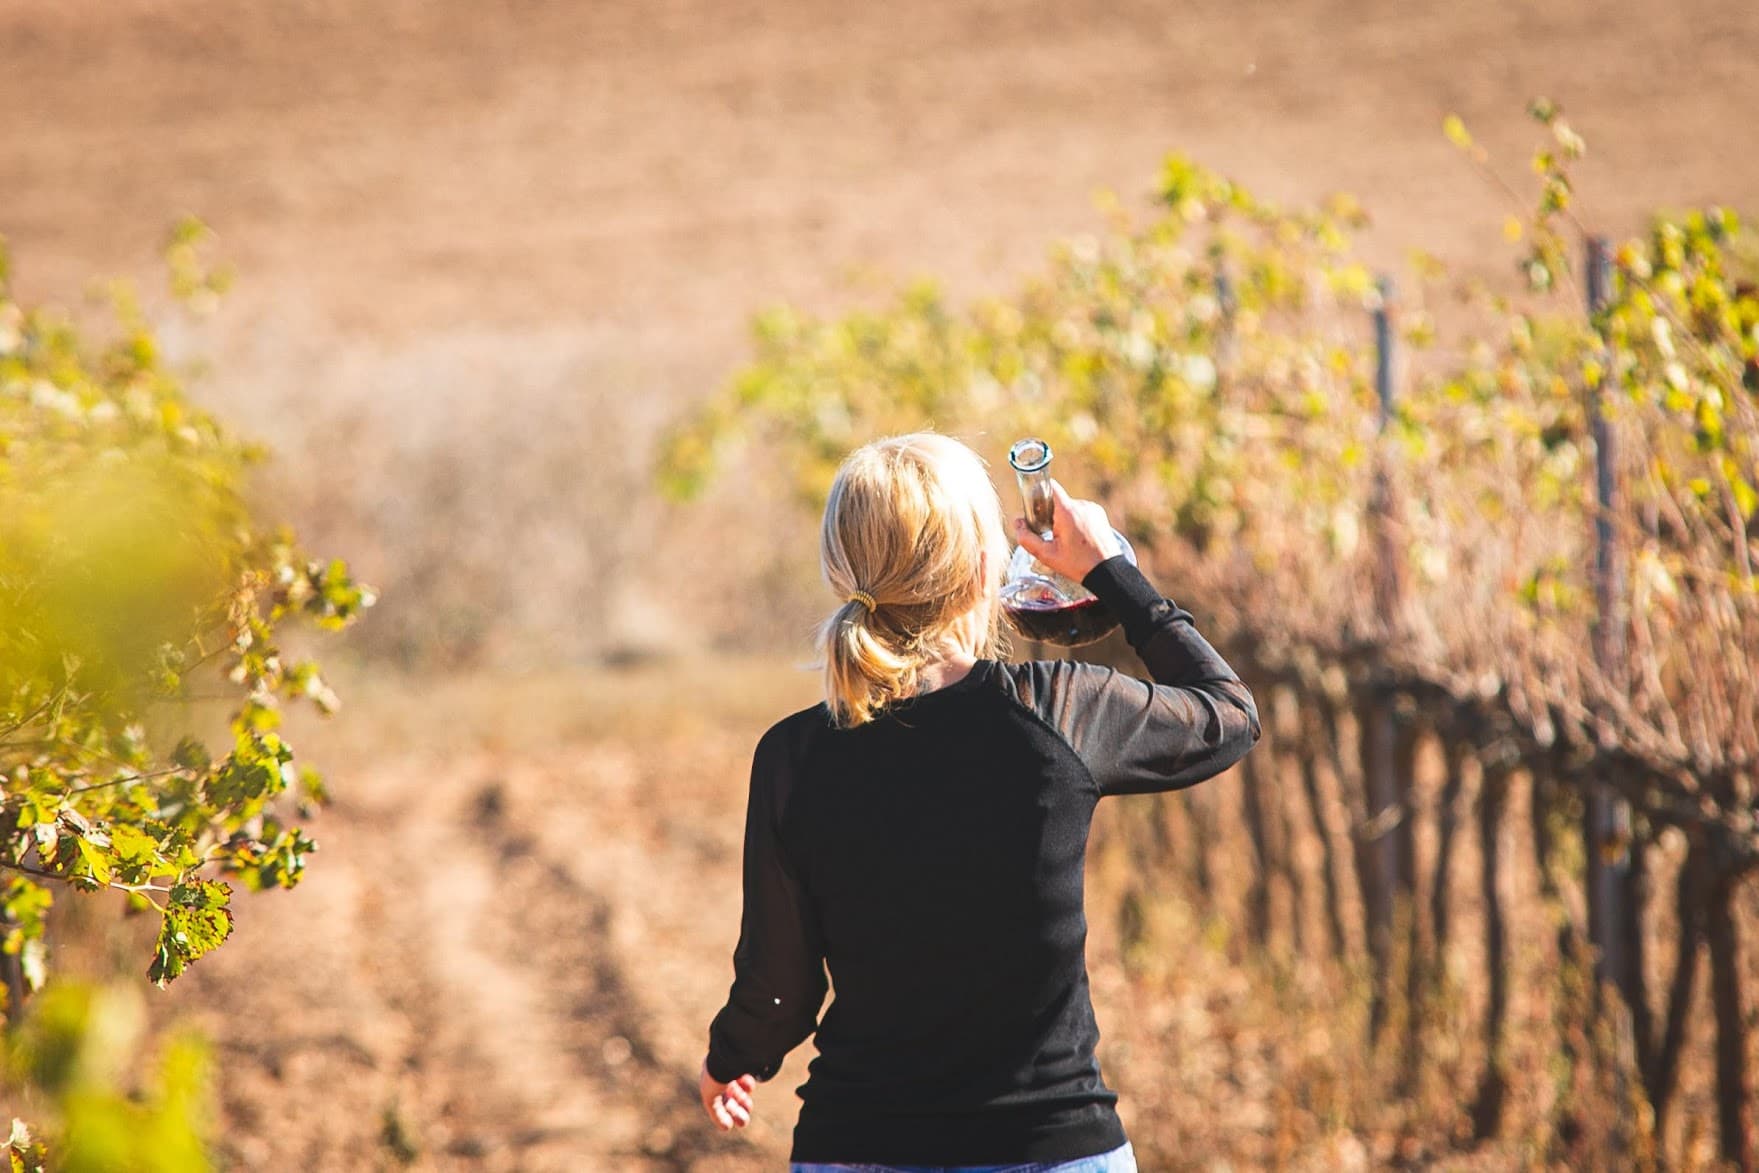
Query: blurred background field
486 254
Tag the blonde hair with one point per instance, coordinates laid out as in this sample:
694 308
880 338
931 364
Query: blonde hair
907 530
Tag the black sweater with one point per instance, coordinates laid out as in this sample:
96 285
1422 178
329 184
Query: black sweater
932 858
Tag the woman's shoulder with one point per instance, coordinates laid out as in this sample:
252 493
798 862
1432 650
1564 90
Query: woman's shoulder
782 751
1032 674
796 729
1046 686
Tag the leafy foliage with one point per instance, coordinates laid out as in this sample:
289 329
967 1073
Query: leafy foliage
134 578
74 1050
1206 370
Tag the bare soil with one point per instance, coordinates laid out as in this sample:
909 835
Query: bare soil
408 166
507 959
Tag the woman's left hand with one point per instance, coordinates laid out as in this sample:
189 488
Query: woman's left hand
727 1104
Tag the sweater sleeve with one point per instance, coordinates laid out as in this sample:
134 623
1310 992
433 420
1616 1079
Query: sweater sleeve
778 966
1191 722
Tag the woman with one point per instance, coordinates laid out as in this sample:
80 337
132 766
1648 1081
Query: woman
922 833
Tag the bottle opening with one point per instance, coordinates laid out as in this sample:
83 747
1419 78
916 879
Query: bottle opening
1029 455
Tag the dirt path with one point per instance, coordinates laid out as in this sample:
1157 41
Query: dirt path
502 962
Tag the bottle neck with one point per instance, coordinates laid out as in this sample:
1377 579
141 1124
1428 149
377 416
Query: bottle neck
1035 495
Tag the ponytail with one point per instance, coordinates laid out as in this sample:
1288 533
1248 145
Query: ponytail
912 542
864 672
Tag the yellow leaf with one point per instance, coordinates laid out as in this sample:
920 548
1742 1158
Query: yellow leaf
1511 229
1746 497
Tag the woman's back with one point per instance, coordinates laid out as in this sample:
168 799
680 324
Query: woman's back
934 856
942 849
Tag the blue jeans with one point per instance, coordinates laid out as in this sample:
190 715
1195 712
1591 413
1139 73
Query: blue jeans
1120 1160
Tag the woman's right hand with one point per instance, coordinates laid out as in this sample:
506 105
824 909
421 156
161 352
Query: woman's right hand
1081 536
729 1105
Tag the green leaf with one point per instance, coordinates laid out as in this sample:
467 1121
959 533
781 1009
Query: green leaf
197 920
97 860
312 788
191 754
131 844
26 903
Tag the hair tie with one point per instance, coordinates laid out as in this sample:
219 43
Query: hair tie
865 599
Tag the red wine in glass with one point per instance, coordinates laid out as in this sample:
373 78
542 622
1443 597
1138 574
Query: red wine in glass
1069 625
